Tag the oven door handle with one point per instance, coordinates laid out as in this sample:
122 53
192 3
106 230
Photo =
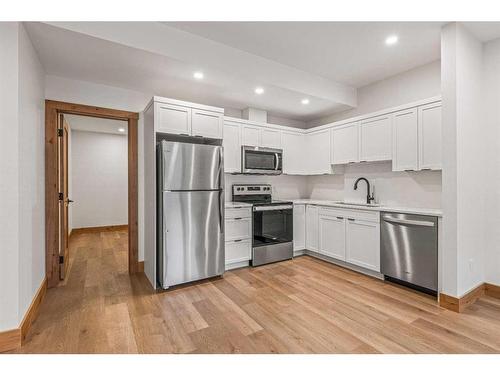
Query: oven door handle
276 155
273 208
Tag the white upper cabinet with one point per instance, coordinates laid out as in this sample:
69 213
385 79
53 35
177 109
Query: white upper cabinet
332 236
299 227
293 153
375 139
405 140
206 123
318 152
312 231
270 138
363 243
177 117
429 129
232 147
173 119
251 136
345 142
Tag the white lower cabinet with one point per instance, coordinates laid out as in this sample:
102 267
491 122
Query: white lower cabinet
349 235
238 231
312 232
332 236
299 227
363 244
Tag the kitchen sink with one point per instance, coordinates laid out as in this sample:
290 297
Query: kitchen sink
358 204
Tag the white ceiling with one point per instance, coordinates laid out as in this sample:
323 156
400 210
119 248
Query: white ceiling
95 124
322 61
353 53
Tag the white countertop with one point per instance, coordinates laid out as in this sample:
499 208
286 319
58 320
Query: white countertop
237 205
405 210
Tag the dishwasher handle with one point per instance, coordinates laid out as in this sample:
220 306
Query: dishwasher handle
421 223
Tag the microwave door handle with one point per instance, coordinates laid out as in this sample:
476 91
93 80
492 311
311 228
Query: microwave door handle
277 161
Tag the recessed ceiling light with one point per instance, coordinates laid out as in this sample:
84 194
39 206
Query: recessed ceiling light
121 130
305 101
198 75
391 39
259 90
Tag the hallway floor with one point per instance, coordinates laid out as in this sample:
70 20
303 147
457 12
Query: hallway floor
300 306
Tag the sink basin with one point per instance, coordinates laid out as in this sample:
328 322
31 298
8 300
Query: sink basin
358 204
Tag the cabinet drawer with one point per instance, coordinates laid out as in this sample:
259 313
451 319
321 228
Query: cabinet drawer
238 251
232 213
238 229
373 216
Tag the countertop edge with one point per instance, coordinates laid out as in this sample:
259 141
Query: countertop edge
410 210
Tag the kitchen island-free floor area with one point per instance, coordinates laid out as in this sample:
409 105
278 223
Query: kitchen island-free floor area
300 306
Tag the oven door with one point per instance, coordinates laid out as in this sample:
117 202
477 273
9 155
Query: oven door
272 234
260 160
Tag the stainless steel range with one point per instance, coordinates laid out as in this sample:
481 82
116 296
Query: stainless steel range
272 223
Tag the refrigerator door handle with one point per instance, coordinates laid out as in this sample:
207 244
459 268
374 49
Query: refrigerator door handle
164 251
221 208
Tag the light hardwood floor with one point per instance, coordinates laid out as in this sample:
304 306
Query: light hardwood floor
300 306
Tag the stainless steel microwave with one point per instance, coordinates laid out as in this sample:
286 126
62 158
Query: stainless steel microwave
261 160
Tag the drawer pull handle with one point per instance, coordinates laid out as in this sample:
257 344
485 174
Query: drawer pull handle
238 218
350 219
340 217
238 240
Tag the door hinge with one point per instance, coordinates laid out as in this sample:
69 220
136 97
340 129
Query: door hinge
61 196
59 132
61 259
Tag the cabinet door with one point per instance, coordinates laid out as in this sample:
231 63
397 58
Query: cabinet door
232 148
375 137
429 129
345 142
206 124
293 153
405 140
270 138
363 244
312 232
299 227
318 152
250 136
173 119
332 236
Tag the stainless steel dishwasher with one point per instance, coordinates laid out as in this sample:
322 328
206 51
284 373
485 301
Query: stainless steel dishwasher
409 250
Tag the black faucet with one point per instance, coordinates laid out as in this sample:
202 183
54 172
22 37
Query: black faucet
369 197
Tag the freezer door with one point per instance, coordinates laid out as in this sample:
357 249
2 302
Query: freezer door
193 236
188 166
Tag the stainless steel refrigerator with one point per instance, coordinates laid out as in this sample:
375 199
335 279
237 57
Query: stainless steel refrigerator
190 217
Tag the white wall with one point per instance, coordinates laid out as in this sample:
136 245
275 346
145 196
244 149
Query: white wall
31 171
9 176
99 179
418 83
491 97
22 199
409 189
464 161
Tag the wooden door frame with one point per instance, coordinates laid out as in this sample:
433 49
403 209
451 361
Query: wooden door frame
52 110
